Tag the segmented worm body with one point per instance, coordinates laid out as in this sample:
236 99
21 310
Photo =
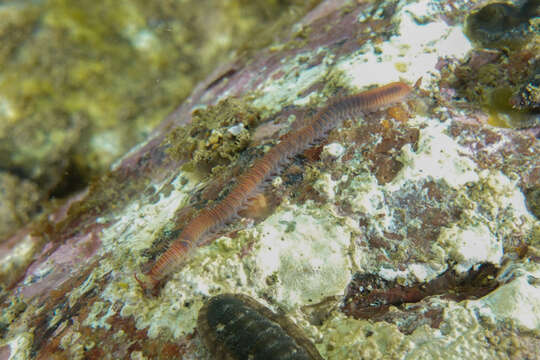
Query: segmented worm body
253 180
236 327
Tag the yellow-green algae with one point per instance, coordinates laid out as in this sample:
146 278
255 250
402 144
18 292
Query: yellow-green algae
83 81
216 135
18 202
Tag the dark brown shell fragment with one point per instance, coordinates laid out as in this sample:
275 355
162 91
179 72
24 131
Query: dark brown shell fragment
236 327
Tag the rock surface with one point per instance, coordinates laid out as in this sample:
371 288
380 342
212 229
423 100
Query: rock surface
419 206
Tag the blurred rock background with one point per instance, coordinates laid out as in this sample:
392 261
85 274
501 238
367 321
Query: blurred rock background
81 82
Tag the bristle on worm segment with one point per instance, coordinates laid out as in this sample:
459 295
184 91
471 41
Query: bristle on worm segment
253 180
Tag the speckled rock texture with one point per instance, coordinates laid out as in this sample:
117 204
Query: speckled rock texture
408 233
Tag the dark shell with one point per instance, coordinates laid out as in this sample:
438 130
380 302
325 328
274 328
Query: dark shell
236 327
500 25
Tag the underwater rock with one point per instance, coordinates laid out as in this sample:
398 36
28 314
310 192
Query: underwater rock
500 25
533 201
502 82
401 193
528 97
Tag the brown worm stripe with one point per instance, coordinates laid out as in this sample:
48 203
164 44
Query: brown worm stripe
253 180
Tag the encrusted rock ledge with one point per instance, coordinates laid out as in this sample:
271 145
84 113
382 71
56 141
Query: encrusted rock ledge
404 234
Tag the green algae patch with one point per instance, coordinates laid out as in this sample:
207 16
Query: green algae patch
16 27
75 88
18 202
82 82
215 136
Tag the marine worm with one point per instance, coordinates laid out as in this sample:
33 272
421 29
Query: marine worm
237 327
254 179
